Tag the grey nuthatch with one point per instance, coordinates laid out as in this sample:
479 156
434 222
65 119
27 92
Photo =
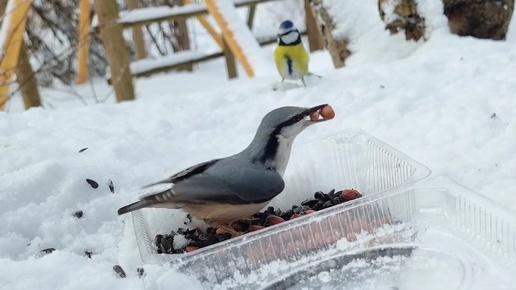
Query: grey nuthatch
222 191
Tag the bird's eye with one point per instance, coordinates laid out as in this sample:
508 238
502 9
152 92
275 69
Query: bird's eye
298 118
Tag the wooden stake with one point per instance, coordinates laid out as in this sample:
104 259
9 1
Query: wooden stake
13 29
27 80
182 33
230 62
84 41
250 16
315 40
138 40
116 52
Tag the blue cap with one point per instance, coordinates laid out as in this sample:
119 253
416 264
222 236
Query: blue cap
286 25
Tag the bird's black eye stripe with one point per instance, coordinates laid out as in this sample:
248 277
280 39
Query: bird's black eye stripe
272 144
285 33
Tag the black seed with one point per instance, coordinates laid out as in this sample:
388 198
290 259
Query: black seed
196 243
78 214
189 217
332 192
181 231
318 206
83 149
111 186
211 230
119 271
88 253
92 183
167 245
157 240
270 209
47 251
319 195
310 202
140 271
338 193
327 204
192 236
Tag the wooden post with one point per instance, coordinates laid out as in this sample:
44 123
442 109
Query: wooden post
250 16
138 40
116 52
315 40
84 41
230 61
182 33
13 28
338 48
27 80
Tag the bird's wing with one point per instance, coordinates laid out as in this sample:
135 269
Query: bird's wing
186 173
240 186
244 186
192 170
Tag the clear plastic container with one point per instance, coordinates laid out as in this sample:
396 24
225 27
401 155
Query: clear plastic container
345 159
435 235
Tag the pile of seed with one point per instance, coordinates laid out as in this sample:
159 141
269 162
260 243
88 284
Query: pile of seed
187 240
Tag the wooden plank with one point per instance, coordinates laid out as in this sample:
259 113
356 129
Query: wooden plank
150 15
236 34
11 38
84 42
177 61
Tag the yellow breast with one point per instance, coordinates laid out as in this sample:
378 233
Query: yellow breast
291 61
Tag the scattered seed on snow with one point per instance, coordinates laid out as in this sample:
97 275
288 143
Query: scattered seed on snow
118 269
78 214
111 186
92 183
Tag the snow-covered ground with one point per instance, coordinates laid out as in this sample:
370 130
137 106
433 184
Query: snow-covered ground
447 102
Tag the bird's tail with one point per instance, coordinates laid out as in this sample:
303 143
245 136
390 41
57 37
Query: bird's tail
153 200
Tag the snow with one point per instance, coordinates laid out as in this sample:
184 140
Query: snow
159 12
143 65
448 103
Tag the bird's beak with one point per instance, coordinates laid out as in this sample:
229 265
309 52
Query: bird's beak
313 110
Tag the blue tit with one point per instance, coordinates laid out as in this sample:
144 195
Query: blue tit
290 56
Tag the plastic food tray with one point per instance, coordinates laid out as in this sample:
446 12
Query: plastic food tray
346 159
435 235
